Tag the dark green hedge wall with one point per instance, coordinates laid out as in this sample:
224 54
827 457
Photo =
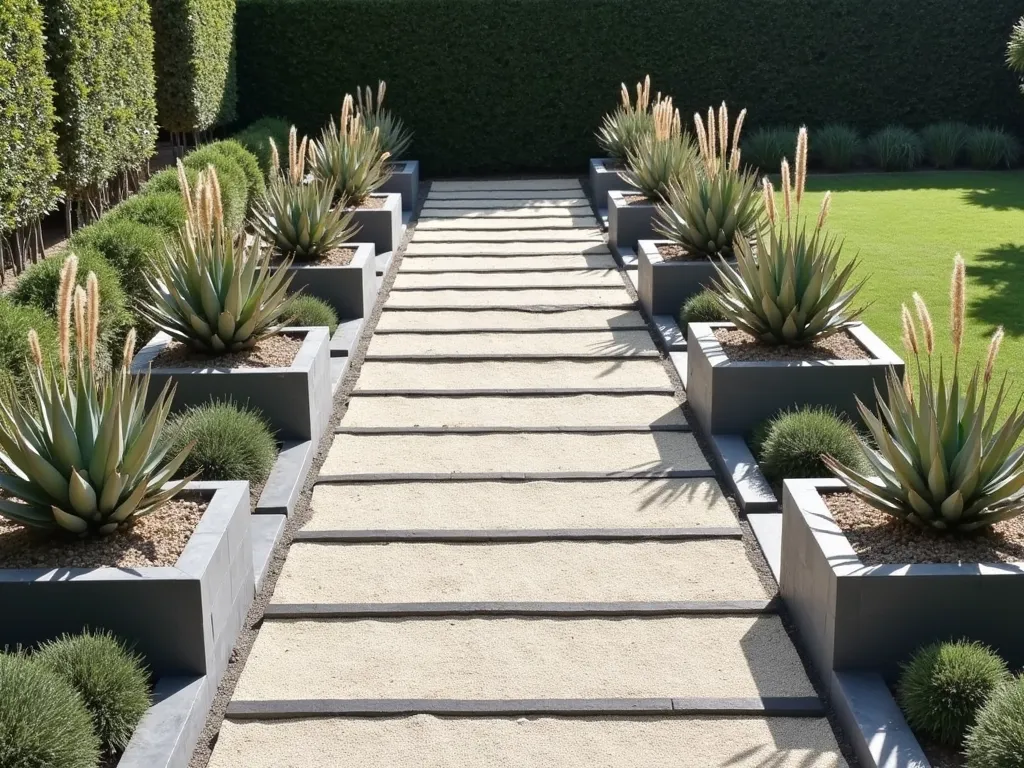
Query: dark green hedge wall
503 85
28 158
195 63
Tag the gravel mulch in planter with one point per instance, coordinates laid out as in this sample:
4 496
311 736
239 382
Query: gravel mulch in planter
637 199
336 257
369 203
879 539
155 540
739 345
276 351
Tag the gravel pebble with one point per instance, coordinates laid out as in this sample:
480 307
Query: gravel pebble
336 257
276 351
368 204
637 199
739 345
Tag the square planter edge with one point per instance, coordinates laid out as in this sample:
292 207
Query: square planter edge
172 726
288 475
628 224
602 181
734 458
350 290
380 226
405 181
663 286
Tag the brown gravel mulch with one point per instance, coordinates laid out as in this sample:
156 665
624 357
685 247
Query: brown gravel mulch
336 257
879 539
155 540
637 200
276 351
368 204
672 252
739 345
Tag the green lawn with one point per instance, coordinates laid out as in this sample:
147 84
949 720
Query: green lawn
906 228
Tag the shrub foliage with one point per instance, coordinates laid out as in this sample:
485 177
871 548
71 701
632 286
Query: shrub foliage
791 445
701 308
231 443
309 311
997 739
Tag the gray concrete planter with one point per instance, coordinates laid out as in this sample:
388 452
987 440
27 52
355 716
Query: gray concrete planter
295 401
172 725
629 223
183 619
852 616
604 178
732 396
380 226
351 289
663 286
405 180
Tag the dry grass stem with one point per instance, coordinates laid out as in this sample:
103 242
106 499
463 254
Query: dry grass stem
909 331
128 353
33 345
957 303
787 189
925 318
769 199
993 353
801 163
826 206
65 295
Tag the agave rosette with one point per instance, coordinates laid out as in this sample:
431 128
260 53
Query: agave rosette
624 129
659 161
349 158
395 138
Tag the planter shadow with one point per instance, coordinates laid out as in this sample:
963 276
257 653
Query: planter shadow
664 286
629 223
405 181
380 226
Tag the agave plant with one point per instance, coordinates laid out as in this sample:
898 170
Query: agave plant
296 214
213 293
714 201
395 138
84 454
794 290
942 460
660 160
348 157
623 130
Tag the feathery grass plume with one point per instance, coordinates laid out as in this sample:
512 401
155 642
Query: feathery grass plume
925 318
737 130
33 345
787 189
769 199
79 315
702 136
712 137
801 163
128 353
92 316
723 129
909 331
644 99
993 353
624 95
68 273
957 305
826 207
908 389
275 159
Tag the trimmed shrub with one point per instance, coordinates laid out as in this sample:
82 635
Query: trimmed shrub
992 148
231 443
895 148
195 63
836 147
700 308
234 189
111 680
255 138
249 164
16 320
164 211
944 143
128 246
944 685
28 145
997 739
791 444
310 311
167 181
764 148
43 722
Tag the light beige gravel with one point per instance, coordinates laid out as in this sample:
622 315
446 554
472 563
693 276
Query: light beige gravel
537 297
599 278
423 741
488 186
593 235
592 343
516 223
573 411
671 503
550 571
740 656
524 452
509 201
432 211
512 375
468 320
498 263
479 248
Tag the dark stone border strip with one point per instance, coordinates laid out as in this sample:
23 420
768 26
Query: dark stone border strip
767 530
510 536
287 476
753 491
304 611
770 706
671 337
513 430
536 392
640 354
171 727
510 331
406 477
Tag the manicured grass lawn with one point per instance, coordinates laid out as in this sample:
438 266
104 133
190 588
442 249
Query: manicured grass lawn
906 228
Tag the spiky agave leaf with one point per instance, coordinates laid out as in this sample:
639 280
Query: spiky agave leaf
395 138
349 157
301 220
660 159
623 131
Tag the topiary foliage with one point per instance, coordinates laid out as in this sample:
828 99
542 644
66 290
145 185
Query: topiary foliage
255 138
944 685
701 308
794 442
195 63
128 246
309 311
43 722
234 187
28 145
16 320
231 443
249 165
164 211
111 680
997 738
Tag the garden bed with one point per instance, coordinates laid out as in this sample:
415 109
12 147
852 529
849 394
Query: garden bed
379 221
663 283
405 181
349 288
630 220
605 178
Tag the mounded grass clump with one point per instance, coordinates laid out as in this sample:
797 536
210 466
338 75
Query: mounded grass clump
765 147
837 147
162 210
249 164
992 148
944 143
701 308
791 445
111 680
944 686
43 721
234 188
16 320
231 443
128 246
997 739
895 148
311 311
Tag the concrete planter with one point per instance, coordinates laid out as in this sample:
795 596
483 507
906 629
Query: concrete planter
732 396
351 289
404 180
604 179
852 616
183 619
663 286
295 401
629 223
380 226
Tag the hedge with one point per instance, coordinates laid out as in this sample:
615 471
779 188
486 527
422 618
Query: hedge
28 156
99 54
509 85
195 63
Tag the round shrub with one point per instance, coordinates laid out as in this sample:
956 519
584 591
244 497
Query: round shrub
997 739
836 147
764 148
234 188
250 166
992 148
43 722
895 148
128 246
310 311
791 445
164 211
231 443
111 681
255 139
944 143
701 308
167 181
16 320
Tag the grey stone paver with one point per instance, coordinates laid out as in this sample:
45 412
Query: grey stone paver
433 320
454 264
599 278
619 343
512 297
512 223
